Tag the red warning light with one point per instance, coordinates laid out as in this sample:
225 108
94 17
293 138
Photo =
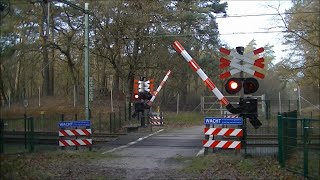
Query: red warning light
233 85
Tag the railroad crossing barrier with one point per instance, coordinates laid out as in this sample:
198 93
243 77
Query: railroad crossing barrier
156 118
210 133
74 133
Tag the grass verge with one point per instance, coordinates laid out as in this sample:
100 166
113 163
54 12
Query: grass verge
234 166
48 165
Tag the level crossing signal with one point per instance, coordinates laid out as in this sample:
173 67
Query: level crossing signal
242 62
249 85
143 89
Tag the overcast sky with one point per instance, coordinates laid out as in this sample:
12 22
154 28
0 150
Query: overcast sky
230 26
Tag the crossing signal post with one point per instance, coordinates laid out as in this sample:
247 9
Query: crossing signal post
242 63
141 95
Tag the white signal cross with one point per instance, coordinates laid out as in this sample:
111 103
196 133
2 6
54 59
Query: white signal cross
235 63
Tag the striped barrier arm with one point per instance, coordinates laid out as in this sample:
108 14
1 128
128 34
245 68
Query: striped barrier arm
193 64
149 103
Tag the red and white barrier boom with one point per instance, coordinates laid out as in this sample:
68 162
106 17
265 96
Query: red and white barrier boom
193 64
149 103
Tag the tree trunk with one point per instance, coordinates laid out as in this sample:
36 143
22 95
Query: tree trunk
72 72
16 80
51 84
2 93
45 54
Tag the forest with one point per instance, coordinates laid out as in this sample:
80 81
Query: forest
42 50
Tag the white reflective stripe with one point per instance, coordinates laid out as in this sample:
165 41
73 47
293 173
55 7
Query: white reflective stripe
202 75
234 144
234 71
89 140
186 56
158 89
210 131
235 132
70 142
61 144
70 133
81 132
208 143
168 73
217 93
152 99
60 134
81 142
165 79
221 144
223 131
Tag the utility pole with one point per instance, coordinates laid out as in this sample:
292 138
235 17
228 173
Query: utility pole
86 52
86 60
240 50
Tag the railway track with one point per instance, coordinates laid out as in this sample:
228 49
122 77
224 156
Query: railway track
52 138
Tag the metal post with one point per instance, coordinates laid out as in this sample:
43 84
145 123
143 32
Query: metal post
280 102
119 117
305 148
62 119
110 122
99 122
299 100
240 50
280 142
149 119
143 124
31 134
161 118
1 136
202 104
74 96
206 137
178 103
39 96
114 122
111 87
25 130
129 110
9 99
125 111
86 60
